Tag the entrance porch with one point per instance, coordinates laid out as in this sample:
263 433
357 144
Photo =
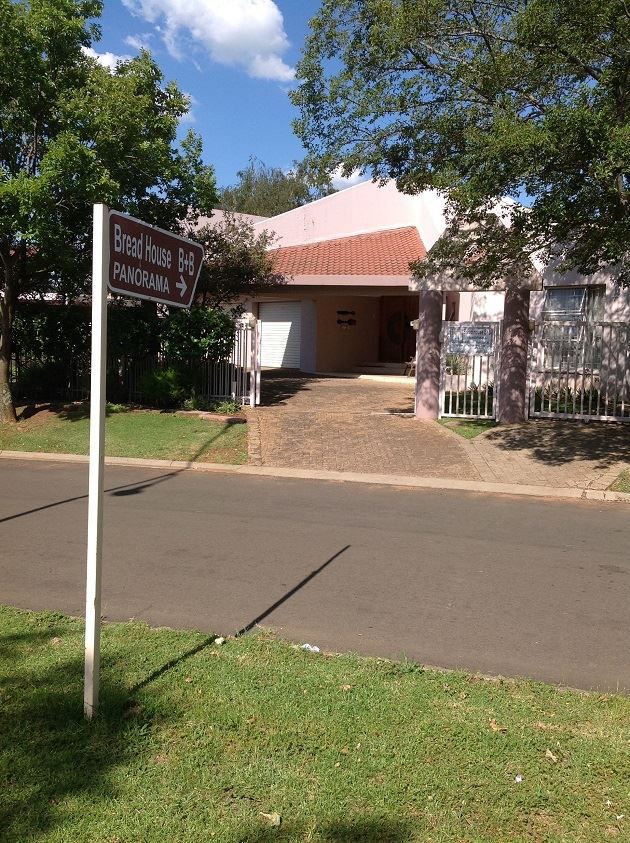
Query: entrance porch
366 331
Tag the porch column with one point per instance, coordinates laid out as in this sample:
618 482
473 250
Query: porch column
513 368
428 355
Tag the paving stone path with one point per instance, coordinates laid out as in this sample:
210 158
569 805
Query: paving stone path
552 453
345 424
349 424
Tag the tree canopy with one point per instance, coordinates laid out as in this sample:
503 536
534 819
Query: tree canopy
483 99
73 133
267 191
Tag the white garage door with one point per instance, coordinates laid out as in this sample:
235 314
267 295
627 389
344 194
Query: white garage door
280 334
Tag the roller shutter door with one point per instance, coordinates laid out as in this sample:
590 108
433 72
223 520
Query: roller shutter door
280 334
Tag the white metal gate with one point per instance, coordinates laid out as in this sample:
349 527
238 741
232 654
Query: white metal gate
238 376
469 369
580 370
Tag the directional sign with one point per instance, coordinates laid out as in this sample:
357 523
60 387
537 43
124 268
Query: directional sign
149 263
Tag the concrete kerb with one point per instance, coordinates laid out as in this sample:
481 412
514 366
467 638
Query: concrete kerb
399 480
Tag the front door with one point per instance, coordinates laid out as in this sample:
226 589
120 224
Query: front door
397 343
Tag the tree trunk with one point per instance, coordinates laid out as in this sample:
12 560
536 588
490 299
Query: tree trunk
514 346
7 409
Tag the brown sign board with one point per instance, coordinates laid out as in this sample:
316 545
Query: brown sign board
149 263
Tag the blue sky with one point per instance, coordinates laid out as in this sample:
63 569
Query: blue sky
236 59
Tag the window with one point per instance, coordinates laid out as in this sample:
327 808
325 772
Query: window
574 304
572 346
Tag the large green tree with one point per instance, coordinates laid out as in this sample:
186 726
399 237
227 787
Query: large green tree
267 191
481 99
73 133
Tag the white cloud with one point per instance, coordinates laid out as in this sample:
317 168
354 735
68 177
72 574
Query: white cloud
108 60
245 33
139 42
340 182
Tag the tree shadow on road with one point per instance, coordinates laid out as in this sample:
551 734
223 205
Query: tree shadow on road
127 489
557 443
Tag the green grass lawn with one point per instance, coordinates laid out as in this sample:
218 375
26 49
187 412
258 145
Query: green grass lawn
138 433
468 428
622 483
198 742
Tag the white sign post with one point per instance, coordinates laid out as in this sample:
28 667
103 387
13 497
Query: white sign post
146 263
100 263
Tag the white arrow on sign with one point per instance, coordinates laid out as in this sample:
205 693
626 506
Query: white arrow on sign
182 286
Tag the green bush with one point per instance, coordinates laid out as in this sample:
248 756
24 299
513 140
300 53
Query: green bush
132 332
51 380
457 364
197 402
198 333
166 388
52 333
226 407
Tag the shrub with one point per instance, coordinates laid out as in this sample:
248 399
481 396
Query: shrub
51 380
52 333
166 388
226 407
457 364
198 402
198 333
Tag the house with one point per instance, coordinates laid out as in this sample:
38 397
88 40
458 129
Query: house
348 300
346 303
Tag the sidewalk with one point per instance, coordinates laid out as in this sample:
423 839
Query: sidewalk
551 453
174 467
362 432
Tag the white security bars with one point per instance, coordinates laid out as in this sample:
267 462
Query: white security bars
580 370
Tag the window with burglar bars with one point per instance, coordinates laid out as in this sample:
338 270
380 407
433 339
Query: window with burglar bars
574 304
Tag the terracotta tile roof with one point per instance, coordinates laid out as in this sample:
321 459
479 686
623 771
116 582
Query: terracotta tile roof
377 253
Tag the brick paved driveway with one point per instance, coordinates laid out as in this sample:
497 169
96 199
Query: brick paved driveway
345 424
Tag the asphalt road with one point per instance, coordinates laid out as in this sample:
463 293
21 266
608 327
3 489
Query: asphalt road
501 585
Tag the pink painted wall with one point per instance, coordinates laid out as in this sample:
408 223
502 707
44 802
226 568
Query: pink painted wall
359 209
482 306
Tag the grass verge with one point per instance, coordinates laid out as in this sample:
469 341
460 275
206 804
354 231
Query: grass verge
128 433
622 483
468 428
197 742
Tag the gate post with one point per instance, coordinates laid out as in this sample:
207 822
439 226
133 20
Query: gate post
428 355
514 357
